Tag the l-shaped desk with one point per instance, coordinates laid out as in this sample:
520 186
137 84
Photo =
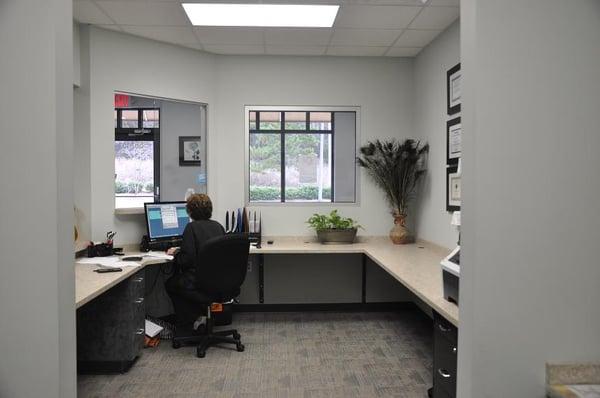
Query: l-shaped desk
416 266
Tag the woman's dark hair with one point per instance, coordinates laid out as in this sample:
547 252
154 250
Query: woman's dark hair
199 207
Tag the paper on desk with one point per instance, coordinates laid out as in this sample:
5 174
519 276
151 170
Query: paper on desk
108 262
160 255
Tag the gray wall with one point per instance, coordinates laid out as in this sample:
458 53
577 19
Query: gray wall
82 181
530 284
37 306
344 177
432 221
180 119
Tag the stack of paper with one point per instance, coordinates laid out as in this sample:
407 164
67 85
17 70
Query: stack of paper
108 262
152 329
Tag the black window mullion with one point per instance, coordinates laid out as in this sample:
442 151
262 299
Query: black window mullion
282 134
332 165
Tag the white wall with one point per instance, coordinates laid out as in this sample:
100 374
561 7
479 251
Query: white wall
530 286
432 219
37 306
129 64
381 87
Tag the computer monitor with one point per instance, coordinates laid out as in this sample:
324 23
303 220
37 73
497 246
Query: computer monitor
166 220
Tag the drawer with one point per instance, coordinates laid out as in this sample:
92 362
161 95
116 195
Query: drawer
444 371
445 329
137 285
439 392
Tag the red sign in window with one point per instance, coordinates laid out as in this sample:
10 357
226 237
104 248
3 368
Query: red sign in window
121 101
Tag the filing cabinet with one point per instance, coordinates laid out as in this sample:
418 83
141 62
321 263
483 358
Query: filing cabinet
445 352
110 328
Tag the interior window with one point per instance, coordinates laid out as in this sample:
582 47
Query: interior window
136 157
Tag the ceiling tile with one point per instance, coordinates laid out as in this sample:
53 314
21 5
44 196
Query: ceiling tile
238 36
296 50
364 37
378 17
305 37
234 49
88 12
145 13
435 18
403 51
356 51
416 38
169 34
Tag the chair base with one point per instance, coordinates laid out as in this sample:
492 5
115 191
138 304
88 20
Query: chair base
204 341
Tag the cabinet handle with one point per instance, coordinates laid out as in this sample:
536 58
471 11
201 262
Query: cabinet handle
444 374
454 350
138 279
140 331
443 328
139 301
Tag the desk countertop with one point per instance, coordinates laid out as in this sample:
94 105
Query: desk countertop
90 284
416 266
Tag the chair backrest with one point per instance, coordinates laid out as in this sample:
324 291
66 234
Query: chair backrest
222 265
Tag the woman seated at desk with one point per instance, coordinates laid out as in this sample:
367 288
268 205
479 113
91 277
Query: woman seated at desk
198 231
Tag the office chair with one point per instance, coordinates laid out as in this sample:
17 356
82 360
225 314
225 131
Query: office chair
220 271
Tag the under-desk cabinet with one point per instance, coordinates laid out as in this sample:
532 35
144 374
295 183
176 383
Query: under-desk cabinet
445 343
110 328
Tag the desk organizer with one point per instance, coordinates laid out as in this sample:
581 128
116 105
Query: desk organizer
242 221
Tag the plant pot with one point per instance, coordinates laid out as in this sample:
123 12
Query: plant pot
400 234
331 236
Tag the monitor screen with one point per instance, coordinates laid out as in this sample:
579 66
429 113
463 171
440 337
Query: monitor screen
166 220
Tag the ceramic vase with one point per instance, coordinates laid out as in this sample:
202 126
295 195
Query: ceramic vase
400 234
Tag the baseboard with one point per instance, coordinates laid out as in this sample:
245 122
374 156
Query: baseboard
104 367
341 307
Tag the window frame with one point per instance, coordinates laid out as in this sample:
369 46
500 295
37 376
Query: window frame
133 134
282 131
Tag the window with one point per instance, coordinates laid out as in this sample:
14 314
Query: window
137 149
301 155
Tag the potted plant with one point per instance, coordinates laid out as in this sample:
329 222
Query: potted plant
333 228
396 167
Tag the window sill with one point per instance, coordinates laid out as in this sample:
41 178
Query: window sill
129 210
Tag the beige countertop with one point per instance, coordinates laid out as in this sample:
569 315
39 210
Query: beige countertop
416 266
573 380
90 284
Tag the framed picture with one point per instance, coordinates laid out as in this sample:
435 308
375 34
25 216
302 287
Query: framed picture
453 140
453 83
453 188
189 151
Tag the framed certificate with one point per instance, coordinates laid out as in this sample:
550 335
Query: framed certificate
453 83
453 140
453 189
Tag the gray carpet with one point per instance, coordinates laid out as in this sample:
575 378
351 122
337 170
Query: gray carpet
315 354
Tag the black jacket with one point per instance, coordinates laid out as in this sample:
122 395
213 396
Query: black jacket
194 235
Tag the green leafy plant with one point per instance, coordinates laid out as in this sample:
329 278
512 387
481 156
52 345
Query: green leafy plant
396 167
320 222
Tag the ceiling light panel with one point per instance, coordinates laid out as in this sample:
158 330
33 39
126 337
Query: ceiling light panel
274 15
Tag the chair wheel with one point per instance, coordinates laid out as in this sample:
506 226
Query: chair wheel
200 354
237 336
176 344
240 347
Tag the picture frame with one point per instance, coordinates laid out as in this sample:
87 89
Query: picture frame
453 141
190 153
453 189
453 86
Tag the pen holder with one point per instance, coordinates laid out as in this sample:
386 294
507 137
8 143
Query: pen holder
100 250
